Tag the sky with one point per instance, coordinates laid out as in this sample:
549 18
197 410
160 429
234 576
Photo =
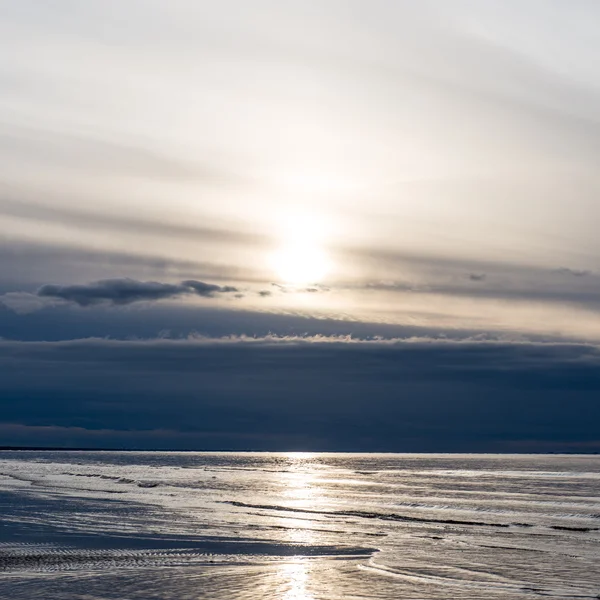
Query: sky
300 224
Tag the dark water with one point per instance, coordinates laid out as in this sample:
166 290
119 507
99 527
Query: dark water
159 525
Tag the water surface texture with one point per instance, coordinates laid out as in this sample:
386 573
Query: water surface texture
160 525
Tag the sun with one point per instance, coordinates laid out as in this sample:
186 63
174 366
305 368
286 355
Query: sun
300 258
300 265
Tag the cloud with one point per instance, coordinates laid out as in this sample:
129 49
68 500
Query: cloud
574 272
126 291
111 157
502 281
15 434
207 290
315 392
137 225
286 288
22 302
27 263
59 322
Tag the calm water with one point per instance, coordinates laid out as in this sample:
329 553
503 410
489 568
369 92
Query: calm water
158 525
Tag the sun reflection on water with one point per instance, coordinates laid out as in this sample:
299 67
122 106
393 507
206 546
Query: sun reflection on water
296 456
297 577
302 490
302 487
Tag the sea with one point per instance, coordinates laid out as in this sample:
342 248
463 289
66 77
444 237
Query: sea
297 526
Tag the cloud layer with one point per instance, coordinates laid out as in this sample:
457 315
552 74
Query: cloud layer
315 393
126 291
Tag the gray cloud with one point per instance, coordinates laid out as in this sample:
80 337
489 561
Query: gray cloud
24 264
440 264
57 321
22 303
138 225
286 288
574 272
207 290
539 289
127 291
442 275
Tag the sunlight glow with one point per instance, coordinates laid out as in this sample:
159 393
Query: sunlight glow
300 265
300 259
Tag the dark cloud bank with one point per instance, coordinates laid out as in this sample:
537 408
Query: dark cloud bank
301 394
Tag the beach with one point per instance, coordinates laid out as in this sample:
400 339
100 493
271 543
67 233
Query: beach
193 525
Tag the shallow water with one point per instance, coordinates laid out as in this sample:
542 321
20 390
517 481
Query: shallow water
159 525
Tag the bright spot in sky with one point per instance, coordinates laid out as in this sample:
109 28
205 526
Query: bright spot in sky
301 265
301 259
